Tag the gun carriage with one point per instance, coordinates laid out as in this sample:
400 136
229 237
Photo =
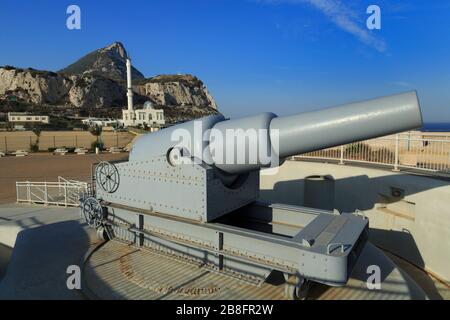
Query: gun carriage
197 199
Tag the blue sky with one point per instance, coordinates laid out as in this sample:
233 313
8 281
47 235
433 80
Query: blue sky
284 56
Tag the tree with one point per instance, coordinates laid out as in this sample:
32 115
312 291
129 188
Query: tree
96 131
34 147
36 130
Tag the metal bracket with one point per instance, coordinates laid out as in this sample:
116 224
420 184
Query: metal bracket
338 245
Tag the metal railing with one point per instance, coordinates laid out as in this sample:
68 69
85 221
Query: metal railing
61 193
421 151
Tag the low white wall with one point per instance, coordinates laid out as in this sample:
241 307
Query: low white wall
409 214
8 234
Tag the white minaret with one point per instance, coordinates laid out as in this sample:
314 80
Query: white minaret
129 89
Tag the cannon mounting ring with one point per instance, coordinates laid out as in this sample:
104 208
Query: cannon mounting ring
93 212
107 176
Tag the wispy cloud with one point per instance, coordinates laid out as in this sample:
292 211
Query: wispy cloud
343 17
403 84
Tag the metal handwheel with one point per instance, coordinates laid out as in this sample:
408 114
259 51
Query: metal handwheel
93 212
107 176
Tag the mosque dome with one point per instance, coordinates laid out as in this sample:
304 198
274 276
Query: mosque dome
148 105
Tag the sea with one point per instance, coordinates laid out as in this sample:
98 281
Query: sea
436 127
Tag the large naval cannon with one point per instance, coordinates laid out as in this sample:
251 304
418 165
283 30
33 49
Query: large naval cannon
191 191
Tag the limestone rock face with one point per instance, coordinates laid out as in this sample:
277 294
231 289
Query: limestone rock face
98 80
43 87
37 87
177 90
96 92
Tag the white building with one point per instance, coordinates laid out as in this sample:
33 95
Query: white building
146 116
101 122
24 117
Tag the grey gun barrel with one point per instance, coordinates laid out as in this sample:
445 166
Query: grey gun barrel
251 143
347 123
310 131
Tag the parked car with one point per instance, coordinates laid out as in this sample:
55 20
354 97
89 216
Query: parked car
61 151
20 153
81 151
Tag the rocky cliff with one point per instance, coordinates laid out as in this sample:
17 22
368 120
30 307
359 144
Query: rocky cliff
98 80
44 87
109 62
32 86
176 90
90 91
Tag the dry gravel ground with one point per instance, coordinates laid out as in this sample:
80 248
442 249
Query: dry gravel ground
46 167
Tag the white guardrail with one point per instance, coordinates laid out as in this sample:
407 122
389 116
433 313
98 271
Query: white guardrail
61 193
422 151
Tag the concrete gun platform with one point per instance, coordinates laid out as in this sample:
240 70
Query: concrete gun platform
46 240
120 271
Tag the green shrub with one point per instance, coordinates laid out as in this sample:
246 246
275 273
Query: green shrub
95 130
34 147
